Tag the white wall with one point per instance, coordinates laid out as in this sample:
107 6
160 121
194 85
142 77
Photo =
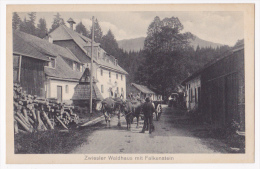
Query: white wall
192 84
52 89
110 82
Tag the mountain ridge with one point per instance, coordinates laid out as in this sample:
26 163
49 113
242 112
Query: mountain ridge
135 44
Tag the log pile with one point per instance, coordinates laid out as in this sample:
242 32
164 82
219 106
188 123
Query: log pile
32 114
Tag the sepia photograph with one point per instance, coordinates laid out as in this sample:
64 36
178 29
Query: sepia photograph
130 85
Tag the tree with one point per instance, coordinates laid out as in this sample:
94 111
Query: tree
80 28
16 21
28 26
97 32
163 55
23 26
110 44
31 23
57 21
41 29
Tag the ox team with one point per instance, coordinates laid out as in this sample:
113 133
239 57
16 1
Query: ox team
133 107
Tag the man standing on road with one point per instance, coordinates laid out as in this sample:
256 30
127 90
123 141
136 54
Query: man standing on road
148 110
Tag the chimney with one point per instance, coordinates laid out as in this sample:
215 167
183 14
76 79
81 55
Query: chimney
71 22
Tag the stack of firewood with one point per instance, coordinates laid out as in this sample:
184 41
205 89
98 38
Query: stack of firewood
33 114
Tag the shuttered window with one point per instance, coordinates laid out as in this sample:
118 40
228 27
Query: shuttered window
102 89
67 88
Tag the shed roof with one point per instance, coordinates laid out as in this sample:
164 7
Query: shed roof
21 47
142 88
82 92
63 71
238 47
45 47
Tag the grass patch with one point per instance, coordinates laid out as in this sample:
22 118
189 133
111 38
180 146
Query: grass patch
51 141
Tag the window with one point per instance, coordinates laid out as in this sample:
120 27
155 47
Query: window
101 72
67 88
109 74
195 95
191 95
78 66
52 63
116 76
74 66
117 90
121 77
122 90
102 89
81 68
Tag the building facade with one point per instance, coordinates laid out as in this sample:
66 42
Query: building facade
220 88
111 78
53 79
28 66
193 92
143 92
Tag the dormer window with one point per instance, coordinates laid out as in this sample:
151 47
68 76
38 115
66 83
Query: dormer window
52 63
74 66
50 39
116 62
81 68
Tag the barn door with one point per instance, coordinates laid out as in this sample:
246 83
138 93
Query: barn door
231 98
59 93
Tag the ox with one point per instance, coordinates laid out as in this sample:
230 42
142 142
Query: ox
137 110
128 113
112 106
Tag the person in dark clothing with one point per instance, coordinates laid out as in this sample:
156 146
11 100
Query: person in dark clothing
148 110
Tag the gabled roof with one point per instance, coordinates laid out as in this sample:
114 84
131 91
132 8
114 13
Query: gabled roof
82 92
21 47
142 88
71 20
85 78
62 71
65 33
45 47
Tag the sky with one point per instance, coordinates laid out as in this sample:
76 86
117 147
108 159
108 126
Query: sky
219 27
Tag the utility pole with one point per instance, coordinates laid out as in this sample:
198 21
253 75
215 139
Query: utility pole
91 67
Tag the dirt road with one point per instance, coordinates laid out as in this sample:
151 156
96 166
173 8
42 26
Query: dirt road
167 138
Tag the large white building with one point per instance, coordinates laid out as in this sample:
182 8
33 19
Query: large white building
111 78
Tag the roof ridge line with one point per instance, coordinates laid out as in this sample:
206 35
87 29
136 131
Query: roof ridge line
86 52
38 48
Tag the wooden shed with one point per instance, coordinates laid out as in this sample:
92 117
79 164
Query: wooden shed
222 90
28 66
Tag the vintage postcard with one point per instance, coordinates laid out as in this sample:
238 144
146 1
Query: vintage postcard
170 83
